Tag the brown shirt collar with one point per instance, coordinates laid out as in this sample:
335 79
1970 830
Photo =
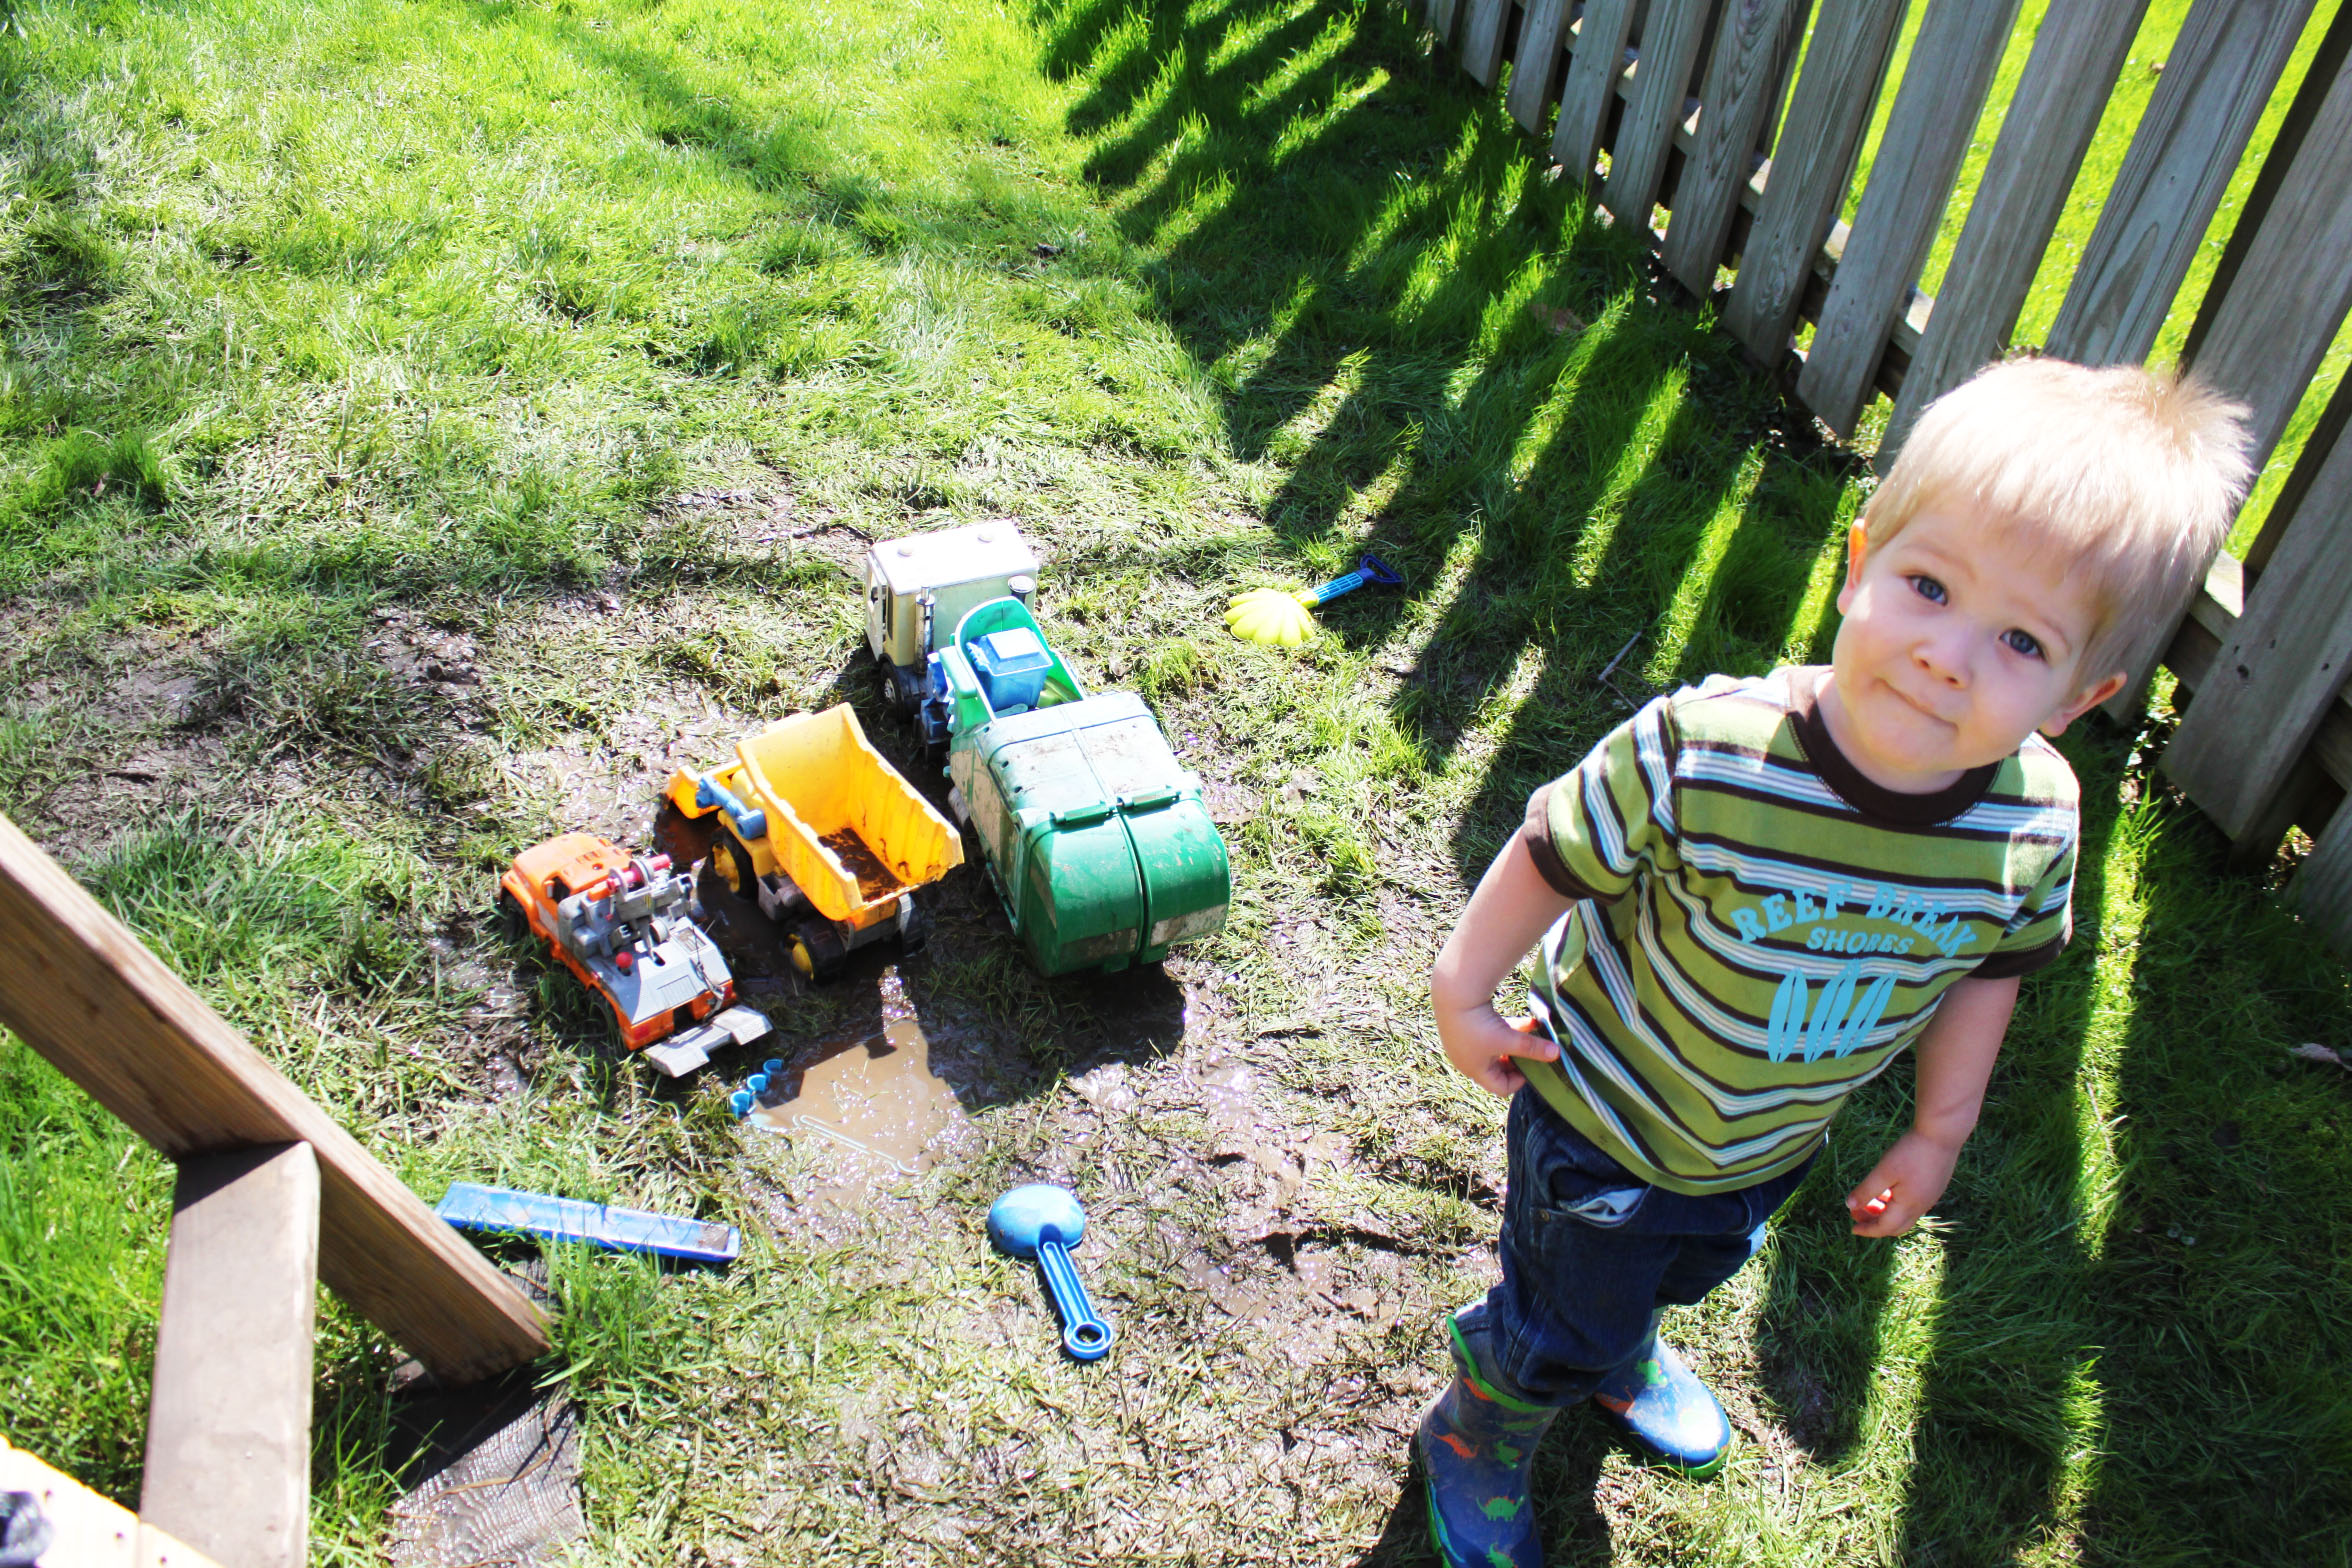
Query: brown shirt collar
1872 800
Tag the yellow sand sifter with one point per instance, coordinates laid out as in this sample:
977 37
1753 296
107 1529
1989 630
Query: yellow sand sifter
1280 618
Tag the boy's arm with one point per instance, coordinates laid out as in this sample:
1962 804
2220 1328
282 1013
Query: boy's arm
1506 916
1955 1056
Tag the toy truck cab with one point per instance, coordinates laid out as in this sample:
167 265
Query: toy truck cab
622 925
1096 838
918 589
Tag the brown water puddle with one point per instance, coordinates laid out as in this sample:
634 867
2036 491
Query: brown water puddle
876 1096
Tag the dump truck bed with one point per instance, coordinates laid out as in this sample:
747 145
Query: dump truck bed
842 824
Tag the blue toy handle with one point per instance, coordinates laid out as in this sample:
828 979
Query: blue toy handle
1371 569
1084 1334
708 792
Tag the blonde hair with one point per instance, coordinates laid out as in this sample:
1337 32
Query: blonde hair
2127 477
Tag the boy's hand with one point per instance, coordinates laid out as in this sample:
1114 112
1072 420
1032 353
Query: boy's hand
1903 1185
1481 1044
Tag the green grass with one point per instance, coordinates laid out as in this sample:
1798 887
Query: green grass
424 425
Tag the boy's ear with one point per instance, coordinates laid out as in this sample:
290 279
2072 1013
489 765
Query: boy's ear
2089 697
1857 546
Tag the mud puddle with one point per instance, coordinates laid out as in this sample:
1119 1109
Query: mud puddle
875 1097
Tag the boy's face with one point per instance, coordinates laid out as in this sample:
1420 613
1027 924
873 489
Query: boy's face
1958 642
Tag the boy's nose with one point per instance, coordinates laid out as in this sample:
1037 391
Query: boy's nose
1942 658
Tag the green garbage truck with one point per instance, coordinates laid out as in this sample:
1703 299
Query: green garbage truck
1095 837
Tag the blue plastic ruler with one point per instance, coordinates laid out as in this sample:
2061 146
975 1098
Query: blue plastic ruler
471 1207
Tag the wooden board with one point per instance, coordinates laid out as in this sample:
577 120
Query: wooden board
1836 89
1536 62
2294 284
1591 86
1440 18
83 992
89 1531
2077 56
1753 49
2216 80
1943 91
1481 50
2281 666
1661 87
2319 74
2322 888
228 1425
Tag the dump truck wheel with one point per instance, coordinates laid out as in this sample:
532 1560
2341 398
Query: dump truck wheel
746 873
816 951
512 923
913 930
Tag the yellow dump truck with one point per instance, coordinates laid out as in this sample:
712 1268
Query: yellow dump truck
827 835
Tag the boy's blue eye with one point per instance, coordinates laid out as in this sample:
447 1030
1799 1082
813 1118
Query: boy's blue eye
1928 588
2021 641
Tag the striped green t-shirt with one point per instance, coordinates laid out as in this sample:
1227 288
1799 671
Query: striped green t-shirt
1760 928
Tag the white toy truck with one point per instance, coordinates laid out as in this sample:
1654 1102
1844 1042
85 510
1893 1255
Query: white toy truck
919 587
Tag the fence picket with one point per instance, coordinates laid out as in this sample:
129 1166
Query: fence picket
1441 19
2291 291
1744 79
1836 89
2076 58
1591 87
1943 91
2323 884
1537 62
1661 87
2280 666
1483 27
2223 66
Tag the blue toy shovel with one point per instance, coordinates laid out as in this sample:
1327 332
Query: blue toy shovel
1044 1222
1283 619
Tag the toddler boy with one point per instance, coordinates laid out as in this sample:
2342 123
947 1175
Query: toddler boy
1754 894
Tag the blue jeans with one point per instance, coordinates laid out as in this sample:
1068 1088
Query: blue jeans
1590 1251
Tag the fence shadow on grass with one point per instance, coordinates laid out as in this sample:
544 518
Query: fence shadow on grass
1341 281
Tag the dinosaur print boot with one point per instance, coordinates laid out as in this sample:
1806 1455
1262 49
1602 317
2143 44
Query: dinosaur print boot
1475 1444
1660 1404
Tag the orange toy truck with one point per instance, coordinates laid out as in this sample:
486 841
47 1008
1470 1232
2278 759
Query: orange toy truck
622 925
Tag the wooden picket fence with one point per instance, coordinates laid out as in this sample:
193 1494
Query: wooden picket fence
1685 98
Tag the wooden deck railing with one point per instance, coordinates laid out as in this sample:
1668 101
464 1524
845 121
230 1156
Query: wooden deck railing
1677 105
273 1197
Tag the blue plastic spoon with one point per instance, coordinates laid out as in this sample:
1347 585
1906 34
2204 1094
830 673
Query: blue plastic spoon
1044 1222
1371 569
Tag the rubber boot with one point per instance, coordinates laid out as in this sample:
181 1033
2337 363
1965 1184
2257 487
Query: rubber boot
1660 1405
1475 1445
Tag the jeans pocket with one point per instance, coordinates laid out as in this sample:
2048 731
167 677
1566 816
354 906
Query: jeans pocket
1558 1175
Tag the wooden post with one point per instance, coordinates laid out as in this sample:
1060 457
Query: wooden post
2068 79
85 993
2281 665
1594 68
1537 62
228 1425
1742 89
2323 884
1836 89
1935 111
2223 66
2294 280
1661 83
1484 28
